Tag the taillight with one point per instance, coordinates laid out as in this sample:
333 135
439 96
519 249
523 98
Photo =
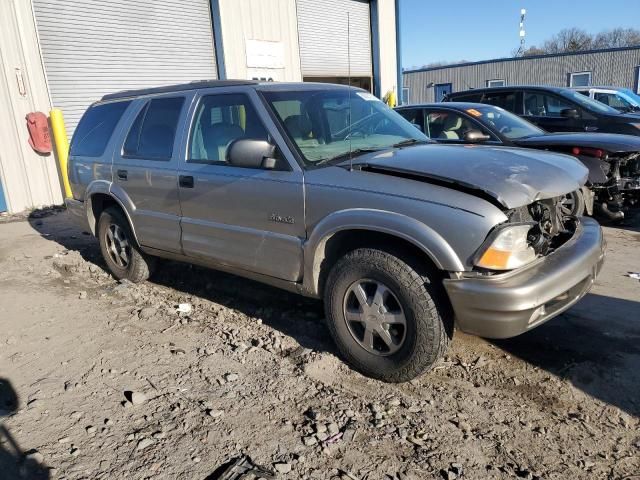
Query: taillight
589 152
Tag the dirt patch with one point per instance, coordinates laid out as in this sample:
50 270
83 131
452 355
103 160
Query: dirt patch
112 380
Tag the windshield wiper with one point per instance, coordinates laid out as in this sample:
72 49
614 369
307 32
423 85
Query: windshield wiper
409 141
355 153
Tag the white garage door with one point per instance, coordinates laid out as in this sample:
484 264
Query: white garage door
94 47
322 29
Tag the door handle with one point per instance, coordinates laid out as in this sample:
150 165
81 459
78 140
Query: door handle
185 181
122 174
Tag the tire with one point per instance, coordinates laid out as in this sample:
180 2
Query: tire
428 327
573 204
136 267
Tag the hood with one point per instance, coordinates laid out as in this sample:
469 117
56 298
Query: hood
512 177
611 142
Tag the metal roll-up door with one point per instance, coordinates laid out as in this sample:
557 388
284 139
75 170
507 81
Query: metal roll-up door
322 30
94 47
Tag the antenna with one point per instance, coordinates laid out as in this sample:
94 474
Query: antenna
520 51
349 87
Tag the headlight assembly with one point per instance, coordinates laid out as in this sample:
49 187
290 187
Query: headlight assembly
506 249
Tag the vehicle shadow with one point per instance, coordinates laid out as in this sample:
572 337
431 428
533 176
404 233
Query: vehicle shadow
595 346
14 463
293 315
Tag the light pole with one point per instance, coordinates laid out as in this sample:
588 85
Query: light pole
520 52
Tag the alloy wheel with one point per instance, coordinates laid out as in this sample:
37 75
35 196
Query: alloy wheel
374 317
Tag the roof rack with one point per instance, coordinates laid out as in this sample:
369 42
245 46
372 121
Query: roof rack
179 88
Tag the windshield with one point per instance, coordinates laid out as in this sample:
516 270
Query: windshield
627 95
509 125
588 103
317 121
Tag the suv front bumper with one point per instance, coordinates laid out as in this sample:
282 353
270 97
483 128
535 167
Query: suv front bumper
508 304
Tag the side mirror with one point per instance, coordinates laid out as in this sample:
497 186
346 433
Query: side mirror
475 136
251 153
569 113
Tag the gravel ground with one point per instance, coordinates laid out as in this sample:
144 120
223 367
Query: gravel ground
106 380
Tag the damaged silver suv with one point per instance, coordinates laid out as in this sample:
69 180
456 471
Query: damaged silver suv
323 190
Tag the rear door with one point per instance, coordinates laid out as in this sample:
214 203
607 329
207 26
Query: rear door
145 170
247 218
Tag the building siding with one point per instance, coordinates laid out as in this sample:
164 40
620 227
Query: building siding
616 67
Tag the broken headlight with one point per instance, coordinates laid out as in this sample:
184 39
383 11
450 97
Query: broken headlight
507 248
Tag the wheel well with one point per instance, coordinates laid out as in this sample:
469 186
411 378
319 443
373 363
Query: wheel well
343 242
100 202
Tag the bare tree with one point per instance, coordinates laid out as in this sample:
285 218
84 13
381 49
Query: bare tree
576 39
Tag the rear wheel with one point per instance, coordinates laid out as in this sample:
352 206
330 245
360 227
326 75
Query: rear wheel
119 248
572 204
388 321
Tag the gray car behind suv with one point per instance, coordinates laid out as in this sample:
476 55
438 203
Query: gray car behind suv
323 190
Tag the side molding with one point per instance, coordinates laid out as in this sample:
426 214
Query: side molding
394 224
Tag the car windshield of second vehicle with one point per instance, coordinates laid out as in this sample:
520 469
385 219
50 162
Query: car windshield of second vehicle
509 125
589 103
318 122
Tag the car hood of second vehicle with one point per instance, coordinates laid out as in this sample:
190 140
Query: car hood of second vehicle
511 176
610 142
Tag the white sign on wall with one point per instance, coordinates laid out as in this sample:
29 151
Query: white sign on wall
264 54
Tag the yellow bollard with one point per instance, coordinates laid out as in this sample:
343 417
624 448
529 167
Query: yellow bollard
62 147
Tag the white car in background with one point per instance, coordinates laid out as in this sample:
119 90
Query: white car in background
622 99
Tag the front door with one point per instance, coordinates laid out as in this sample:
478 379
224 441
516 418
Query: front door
145 171
440 90
546 110
247 218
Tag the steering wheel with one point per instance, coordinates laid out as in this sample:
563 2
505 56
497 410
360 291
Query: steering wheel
505 129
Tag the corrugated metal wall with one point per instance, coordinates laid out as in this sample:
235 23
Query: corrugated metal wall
264 20
94 47
322 27
616 68
28 179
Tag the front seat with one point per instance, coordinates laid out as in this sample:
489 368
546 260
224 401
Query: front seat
298 126
451 126
217 137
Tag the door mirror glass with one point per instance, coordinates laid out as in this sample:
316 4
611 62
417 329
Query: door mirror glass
475 136
251 153
569 113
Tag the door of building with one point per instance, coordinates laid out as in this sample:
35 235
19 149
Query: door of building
440 90
3 203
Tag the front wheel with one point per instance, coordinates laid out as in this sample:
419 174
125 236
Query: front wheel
388 321
573 204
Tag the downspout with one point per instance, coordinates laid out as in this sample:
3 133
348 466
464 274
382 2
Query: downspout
375 44
217 39
398 58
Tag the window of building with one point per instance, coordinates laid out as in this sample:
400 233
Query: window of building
95 129
496 83
154 130
405 95
220 120
580 79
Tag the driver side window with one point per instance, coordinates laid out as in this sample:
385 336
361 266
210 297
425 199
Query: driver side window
544 105
447 125
220 120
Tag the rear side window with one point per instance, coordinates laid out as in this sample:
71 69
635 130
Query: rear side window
506 100
154 130
466 97
95 129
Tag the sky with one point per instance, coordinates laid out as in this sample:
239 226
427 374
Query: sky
433 31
